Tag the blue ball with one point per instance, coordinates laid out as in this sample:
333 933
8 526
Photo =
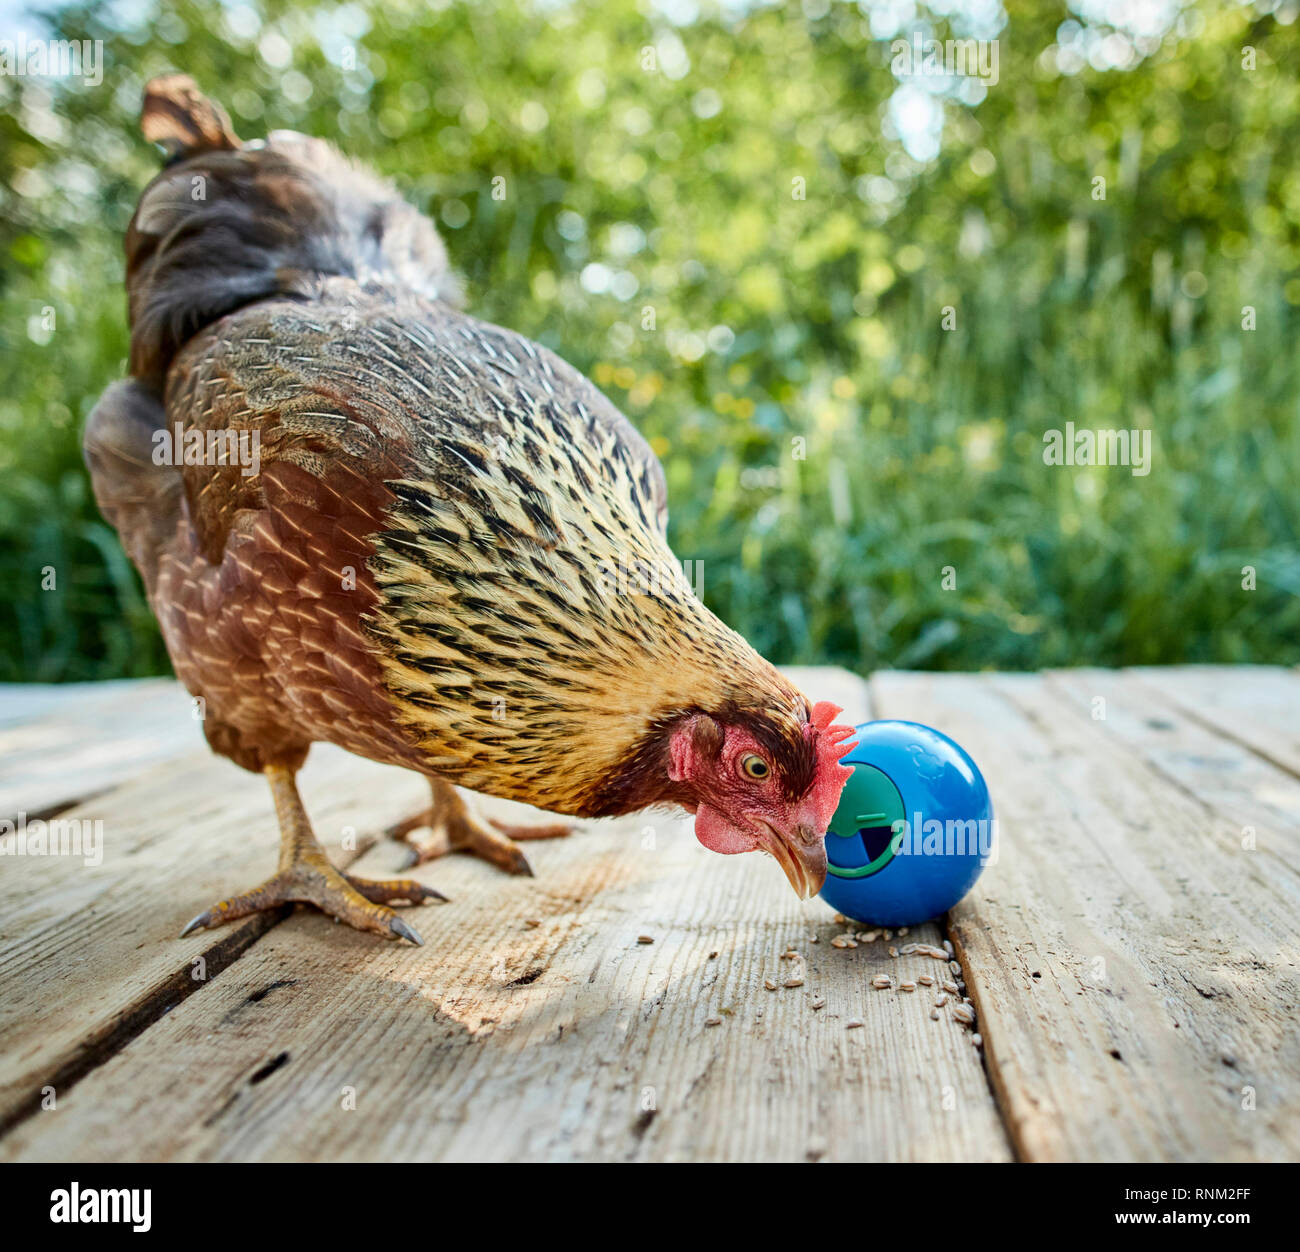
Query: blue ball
913 829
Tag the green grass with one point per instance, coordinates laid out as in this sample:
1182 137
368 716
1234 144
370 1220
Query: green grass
922 447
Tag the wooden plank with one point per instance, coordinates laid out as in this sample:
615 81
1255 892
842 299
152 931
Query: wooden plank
59 745
1253 802
1133 967
1254 704
564 1040
89 951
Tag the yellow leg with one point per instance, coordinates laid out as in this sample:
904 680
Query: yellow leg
305 876
456 828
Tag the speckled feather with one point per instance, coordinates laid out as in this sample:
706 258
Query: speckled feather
424 568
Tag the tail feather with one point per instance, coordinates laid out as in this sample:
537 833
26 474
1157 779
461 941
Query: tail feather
229 224
179 116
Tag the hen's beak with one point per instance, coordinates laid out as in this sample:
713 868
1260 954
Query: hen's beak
802 854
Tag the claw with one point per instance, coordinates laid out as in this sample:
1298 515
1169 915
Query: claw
195 923
431 894
402 930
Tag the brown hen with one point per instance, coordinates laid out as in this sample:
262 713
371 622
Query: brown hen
364 517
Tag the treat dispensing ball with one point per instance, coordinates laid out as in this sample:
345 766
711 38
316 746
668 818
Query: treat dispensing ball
913 829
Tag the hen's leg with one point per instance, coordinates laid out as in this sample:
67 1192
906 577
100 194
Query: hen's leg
456 828
305 876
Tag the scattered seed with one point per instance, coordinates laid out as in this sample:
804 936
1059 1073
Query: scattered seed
853 1025
793 982
955 966
840 919
926 980
713 956
902 930
814 939
713 1021
532 922
928 949
893 951
769 984
908 948
963 1014
889 934
881 981
965 999
869 936
940 1002
645 938
934 1015
977 1039
950 987
947 947
818 1003
837 942
907 985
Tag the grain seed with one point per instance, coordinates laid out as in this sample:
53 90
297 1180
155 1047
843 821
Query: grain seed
950 987
947 947
881 981
940 1002
908 948
934 1015
893 951
818 1003
977 1039
889 934
793 982
853 1025
769 984
902 930
907 985
532 922
838 942
955 966
869 936
926 980
840 919
645 938
963 1014
713 1021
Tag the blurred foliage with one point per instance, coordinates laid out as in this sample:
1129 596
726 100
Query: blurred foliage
831 447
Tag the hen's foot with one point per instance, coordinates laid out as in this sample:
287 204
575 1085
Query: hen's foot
456 829
305 876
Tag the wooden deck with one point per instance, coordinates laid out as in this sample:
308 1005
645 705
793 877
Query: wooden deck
1131 955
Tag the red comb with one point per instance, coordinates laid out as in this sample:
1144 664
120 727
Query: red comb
830 740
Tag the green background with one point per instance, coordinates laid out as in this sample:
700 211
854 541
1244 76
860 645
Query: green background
671 186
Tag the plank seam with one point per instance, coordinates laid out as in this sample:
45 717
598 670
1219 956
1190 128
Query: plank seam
1001 1106
158 1001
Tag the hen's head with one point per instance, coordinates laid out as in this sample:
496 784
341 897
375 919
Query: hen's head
755 787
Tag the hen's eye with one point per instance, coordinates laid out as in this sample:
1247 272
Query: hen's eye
755 766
